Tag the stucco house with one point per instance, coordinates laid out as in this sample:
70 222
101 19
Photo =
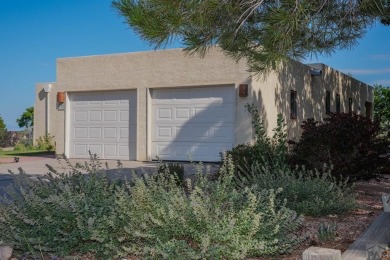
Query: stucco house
166 104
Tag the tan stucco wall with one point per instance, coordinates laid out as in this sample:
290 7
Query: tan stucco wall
146 71
272 94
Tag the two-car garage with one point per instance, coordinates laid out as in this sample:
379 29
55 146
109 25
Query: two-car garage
185 124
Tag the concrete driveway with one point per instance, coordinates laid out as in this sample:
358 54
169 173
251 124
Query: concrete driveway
36 166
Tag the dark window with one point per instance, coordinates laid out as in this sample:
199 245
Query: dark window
350 105
293 104
337 103
327 102
368 106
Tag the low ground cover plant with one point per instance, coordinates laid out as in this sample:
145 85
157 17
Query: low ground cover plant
154 218
307 192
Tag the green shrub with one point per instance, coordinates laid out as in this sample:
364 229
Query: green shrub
264 149
21 147
327 231
215 221
348 141
73 213
45 143
172 168
307 192
62 213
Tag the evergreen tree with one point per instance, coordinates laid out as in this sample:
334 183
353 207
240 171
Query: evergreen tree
263 32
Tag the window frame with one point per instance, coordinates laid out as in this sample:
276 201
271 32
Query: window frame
350 103
327 102
368 108
338 103
293 104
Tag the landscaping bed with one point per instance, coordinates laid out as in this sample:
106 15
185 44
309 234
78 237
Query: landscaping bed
349 226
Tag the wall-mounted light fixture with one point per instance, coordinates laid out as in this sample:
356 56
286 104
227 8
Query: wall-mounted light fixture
315 72
61 97
243 90
47 88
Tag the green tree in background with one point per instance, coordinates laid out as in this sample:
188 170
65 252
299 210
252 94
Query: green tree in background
27 118
4 135
263 32
382 106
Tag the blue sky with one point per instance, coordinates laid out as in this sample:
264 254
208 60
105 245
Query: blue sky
34 33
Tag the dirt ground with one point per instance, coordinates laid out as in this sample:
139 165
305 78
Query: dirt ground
351 225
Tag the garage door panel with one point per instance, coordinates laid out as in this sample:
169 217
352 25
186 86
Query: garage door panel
222 133
164 113
191 132
164 133
96 149
183 113
124 116
95 133
103 123
109 133
81 116
195 113
110 151
95 115
109 115
163 150
123 133
123 150
80 150
80 132
187 151
192 122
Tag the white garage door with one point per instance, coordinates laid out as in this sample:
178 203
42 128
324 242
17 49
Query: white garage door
192 123
103 123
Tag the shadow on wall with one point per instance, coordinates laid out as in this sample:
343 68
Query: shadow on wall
311 93
257 99
199 128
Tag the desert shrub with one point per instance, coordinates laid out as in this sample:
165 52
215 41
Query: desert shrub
21 147
307 192
348 141
66 213
61 213
215 221
171 168
45 143
264 149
